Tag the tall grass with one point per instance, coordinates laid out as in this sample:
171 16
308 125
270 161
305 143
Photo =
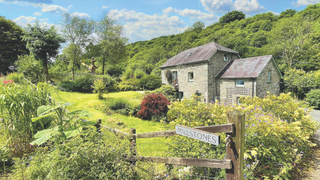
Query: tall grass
18 105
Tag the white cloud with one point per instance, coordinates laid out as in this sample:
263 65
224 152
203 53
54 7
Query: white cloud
37 14
140 26
23 20
168 10
248 7
219 6
105 7
81 15
304 2
196 14
53 9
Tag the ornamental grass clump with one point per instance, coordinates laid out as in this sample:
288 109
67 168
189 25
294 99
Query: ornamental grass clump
99 87
18 105
274 141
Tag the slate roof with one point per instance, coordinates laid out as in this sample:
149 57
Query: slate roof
245 68
197 54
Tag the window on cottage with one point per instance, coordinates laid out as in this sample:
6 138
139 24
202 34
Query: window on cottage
174 75
239 82
225 57
269 76
190 76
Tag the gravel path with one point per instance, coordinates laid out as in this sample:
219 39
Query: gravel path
314 170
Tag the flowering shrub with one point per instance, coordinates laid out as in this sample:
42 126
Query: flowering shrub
153 105
8 82
273 145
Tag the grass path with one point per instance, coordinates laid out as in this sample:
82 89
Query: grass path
89 101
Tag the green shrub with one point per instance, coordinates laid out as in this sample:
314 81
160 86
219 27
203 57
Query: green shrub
117 103
272 144
168 91
16 77
86 156
80 84
313 98
110 83
150 82
139 73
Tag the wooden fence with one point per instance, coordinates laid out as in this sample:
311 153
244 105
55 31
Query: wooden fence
233 163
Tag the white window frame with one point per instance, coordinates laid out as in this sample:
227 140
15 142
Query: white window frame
239 85
226 57
189 75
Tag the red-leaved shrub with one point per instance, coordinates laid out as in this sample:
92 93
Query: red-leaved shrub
153 105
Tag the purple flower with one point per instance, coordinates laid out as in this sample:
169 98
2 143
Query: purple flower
248 165
1 119
245 135
253 125
255 134
30 158
166 175
262 144
245 176
301 152
259 120
225 104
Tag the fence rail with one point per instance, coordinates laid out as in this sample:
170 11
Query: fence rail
233 163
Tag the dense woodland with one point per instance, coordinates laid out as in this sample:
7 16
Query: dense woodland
292 38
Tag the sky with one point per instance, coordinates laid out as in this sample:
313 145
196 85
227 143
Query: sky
142 19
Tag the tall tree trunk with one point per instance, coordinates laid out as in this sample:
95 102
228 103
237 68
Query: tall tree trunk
73 64
45 70
103 64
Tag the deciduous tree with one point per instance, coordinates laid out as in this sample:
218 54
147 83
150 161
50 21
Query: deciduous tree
44 43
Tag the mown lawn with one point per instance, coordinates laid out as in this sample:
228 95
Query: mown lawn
89 101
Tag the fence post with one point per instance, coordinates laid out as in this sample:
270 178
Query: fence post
98 125
133 147
235 150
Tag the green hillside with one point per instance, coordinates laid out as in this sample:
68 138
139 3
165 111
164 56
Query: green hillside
292 37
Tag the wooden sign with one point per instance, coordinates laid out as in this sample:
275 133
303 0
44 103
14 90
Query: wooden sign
198 134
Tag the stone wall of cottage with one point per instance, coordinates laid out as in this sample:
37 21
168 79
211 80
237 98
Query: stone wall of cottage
199 84
263 86
216 64
229 92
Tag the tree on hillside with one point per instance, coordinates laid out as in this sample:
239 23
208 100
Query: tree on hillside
232 16
287 13
11 44
111 42
77 32
291 37
44 43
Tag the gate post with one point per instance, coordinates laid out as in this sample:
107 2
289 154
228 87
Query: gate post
235 150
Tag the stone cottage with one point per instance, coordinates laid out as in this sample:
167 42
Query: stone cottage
218 73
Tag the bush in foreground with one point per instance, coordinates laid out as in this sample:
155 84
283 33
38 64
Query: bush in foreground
273 145
86 156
